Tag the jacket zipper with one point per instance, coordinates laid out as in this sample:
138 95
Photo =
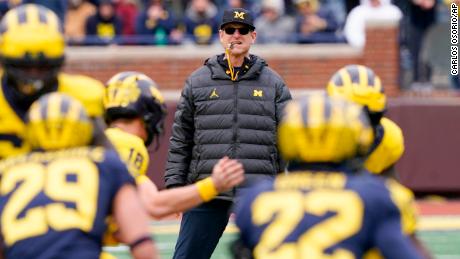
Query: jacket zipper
235 119
235 125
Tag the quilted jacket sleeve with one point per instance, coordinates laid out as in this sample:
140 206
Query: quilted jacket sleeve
181 141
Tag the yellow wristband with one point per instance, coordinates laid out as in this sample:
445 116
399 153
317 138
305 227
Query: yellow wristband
142 179
207 189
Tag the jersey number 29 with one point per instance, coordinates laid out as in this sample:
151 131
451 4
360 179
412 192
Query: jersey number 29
53 180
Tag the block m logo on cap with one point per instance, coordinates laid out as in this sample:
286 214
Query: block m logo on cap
239 15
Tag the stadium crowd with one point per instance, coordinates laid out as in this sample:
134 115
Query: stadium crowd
194 22
166 22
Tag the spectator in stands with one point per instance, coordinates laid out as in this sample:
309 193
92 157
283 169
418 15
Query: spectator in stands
315 23
127 10
273 26
75 25
103 27
157 25
422 15
234 4
381 10
222 5
350 4
338 8
201 22
289 7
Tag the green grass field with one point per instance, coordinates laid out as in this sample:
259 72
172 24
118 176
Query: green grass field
441 235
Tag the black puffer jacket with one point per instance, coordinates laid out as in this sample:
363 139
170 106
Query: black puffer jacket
219 117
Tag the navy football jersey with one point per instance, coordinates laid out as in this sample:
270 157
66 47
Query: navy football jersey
313 215
55 204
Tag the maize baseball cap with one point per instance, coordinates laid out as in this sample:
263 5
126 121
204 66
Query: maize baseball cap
238 15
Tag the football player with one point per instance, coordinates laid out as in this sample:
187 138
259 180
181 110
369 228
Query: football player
325 207
32 55
54 200
135 112
359 84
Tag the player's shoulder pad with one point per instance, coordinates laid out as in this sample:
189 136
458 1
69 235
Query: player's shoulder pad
404 199
124 141
87 90
400 193
127 145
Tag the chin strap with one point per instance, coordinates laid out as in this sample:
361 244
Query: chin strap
157 141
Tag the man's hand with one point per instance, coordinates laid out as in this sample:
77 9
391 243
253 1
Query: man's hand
227 173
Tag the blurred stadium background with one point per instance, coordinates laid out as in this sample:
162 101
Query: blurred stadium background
427 114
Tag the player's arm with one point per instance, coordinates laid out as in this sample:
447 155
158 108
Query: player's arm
226 174
133 223
409 213
409 222
404 200
391 242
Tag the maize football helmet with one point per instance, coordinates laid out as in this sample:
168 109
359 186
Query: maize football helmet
389 149
31 50
57 121
361 85
321 129
133 94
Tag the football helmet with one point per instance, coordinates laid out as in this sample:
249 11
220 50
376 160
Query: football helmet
361 85
133 94
57 121
31 50
319 129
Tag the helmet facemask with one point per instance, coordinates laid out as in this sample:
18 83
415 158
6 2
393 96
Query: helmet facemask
30 80
374 117
32 51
